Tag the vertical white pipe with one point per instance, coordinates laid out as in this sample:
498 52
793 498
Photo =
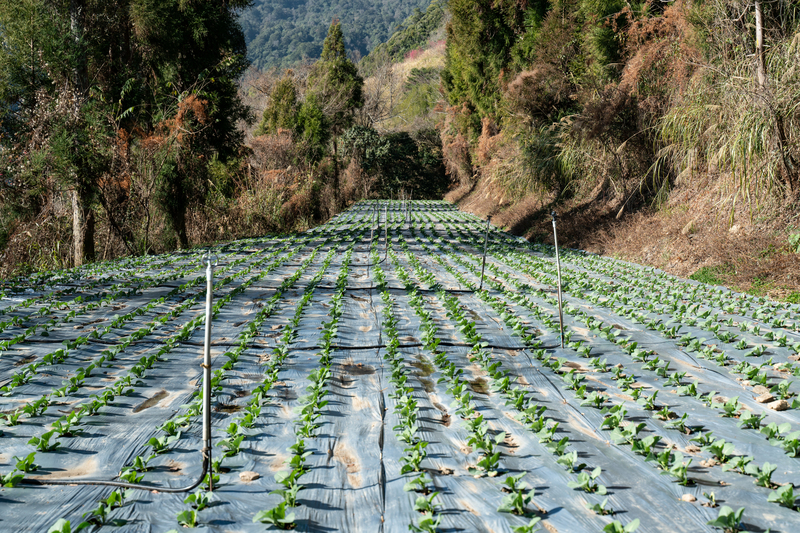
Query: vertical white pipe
558 269
207 364
485 245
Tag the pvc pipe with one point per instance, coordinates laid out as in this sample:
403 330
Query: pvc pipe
558 269
485 245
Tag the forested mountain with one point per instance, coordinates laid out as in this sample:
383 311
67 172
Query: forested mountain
282 32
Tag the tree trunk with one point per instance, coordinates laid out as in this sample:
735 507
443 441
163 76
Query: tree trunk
761 68
82 229
82 214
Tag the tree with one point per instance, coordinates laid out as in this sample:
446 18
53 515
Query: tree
336 88
84 84
281 111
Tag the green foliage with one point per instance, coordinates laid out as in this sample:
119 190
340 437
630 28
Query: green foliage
281 111
414 33
282 34
397 161
335 81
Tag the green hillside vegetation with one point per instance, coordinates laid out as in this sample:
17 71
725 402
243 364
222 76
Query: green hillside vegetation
283 33
605 108
415 33
633 93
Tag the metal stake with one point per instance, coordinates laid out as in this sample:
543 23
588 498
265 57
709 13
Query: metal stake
485 245
558 269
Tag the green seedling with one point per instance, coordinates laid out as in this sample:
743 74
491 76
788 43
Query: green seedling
773 432
763 475
43 443
63 526
586 481
720 449
188 518
678 469
529 527
594 399
131 476
37 407
729 521
421 483
415 455
688 390
730 408
748 420
290 484
600 508
784 497
99 515
517 499
791 444
614 417
781 390
570 460
664 413
644 446
26 464
663 460
426 525
617 527
712 499
161 444
12 418
231 445
11 479
425 505
737 463
558 447
648 403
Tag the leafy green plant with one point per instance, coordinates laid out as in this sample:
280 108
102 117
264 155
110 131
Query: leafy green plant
426 525
43 443
617 527
729 521
763 474
529 527
188 518
600 508
784 496
26 464
586 481
199 500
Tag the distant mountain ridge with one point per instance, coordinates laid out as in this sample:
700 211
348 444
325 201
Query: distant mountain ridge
280 33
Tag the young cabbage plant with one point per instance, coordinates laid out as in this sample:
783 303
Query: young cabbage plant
729 521
586 481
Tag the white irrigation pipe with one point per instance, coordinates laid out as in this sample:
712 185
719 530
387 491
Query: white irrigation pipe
206 413
485 245
558 269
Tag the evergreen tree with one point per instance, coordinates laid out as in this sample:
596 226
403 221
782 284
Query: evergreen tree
281 111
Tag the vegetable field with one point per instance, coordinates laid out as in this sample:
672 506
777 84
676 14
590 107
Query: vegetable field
369 384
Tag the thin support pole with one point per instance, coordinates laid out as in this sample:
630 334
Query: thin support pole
386 231
485 246
207 367
558 269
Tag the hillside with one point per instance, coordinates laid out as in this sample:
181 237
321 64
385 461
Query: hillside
279 34
665 134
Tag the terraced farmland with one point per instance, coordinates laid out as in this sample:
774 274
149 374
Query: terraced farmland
366 385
